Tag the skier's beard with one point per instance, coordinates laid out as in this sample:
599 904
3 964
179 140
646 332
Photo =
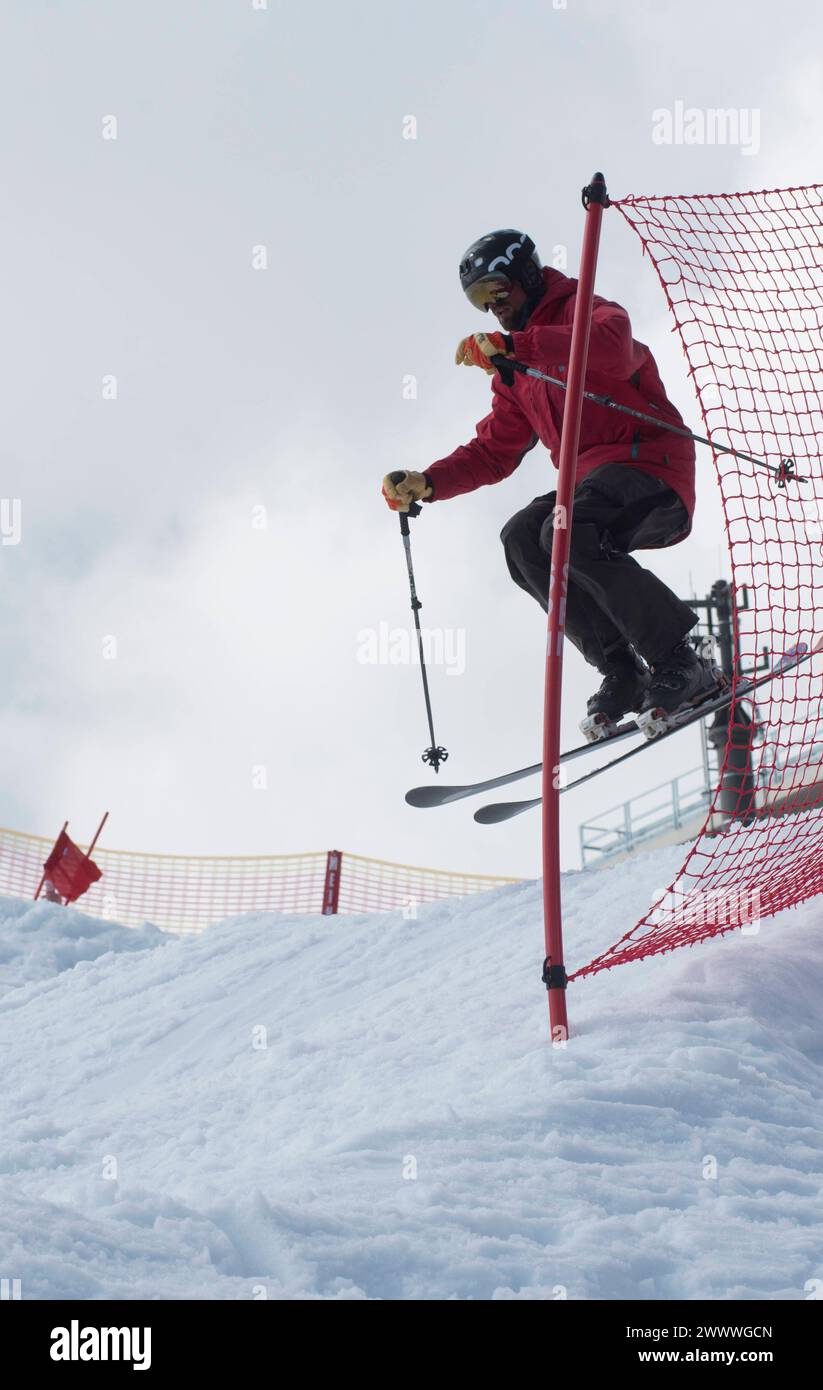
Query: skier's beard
524 313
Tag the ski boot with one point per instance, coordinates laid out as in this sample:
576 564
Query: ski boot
624 686
679 684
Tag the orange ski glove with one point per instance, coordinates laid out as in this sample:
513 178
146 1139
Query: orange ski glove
479 348
408 488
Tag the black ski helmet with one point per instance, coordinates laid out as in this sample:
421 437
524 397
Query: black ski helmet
504 252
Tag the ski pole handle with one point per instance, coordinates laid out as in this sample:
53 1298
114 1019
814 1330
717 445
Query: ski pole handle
507 367
414 510
414 507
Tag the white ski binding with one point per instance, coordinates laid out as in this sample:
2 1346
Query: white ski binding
596 728
653 722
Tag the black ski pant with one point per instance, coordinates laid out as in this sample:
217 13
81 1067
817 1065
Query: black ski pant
611 600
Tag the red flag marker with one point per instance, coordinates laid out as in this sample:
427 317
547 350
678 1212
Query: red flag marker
68 871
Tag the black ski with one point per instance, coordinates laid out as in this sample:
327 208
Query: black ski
507 810
442 796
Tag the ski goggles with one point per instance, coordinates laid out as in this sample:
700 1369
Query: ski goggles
494 289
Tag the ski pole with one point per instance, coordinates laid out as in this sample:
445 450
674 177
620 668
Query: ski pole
435 754
784 473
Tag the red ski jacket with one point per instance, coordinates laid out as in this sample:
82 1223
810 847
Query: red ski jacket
530 410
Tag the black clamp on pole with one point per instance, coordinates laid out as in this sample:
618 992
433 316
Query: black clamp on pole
554 976
595 192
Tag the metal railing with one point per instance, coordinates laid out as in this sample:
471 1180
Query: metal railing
634 822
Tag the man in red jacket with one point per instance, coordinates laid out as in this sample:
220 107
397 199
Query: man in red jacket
634 484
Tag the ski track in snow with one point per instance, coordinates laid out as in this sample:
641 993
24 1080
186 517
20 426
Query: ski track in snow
539 1169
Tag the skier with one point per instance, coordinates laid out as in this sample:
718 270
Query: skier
634 485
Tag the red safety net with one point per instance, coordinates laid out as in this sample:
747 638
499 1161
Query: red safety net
185 893
743 276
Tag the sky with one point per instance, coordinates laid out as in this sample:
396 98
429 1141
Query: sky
223 262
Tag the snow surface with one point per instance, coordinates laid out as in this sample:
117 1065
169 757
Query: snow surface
407 1131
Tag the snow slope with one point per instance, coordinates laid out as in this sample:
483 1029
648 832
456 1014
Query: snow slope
406 1131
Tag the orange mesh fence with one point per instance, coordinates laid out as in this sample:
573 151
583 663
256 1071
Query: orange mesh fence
185 893
743 276
369 883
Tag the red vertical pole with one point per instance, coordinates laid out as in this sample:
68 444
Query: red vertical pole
331 887
96 837
554 971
